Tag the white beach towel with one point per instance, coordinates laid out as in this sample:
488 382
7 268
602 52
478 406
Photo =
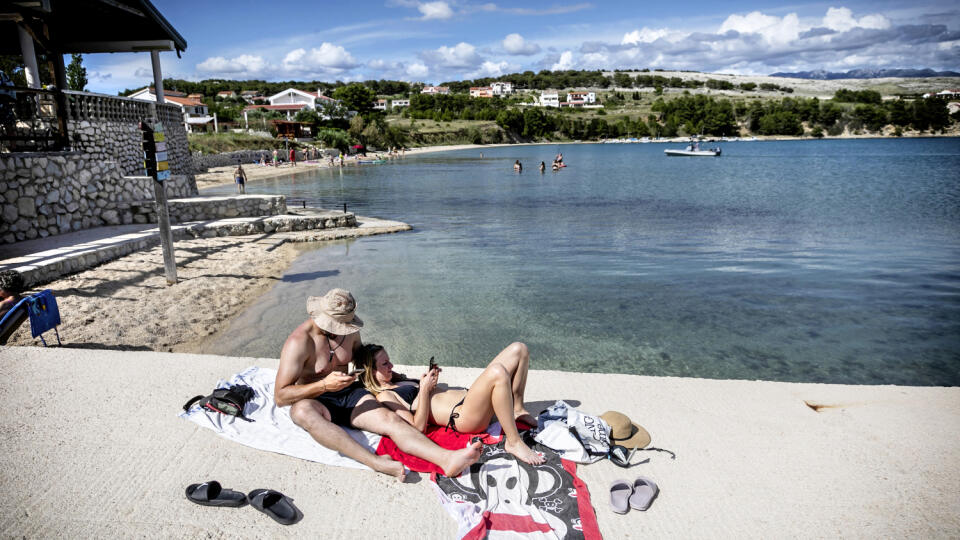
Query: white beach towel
272 429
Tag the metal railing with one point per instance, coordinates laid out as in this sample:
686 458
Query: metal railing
35 120
31 120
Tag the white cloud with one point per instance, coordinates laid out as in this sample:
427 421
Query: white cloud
435 10
515 44
565 61
327 57
461 55
417 70
842 19
245 64
645 35
774 30
491 69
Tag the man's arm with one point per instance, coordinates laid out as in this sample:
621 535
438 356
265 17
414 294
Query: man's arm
286 391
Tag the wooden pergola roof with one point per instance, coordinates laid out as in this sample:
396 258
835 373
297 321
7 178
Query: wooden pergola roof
88 26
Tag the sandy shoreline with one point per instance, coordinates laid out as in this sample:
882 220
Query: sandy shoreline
125 304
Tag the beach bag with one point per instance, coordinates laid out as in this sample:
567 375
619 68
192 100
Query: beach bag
574 434
230 400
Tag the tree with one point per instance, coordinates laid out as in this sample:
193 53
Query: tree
356 97
76 73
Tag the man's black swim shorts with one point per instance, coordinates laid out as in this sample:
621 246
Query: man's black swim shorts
341 403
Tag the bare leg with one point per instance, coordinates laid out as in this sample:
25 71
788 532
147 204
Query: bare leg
492 393
516 359
371 416
315 419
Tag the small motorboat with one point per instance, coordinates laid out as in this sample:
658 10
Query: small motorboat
694 150
371 161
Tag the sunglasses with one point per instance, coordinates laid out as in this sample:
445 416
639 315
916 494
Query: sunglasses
620 456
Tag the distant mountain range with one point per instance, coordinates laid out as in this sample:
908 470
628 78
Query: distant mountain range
867 74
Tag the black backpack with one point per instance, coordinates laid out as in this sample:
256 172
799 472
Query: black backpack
230 400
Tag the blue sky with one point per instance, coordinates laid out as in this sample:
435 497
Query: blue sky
434 41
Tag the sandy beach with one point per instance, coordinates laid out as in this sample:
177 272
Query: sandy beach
125 304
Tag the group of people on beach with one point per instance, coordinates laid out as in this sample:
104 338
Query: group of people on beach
557 164
324 395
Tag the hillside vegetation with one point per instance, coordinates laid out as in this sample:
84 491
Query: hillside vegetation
639 103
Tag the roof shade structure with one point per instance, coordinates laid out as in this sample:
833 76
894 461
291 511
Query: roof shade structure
88 26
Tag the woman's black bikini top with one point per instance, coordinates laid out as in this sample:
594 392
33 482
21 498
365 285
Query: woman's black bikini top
408 390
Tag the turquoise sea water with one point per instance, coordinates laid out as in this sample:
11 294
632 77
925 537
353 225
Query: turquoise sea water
829 261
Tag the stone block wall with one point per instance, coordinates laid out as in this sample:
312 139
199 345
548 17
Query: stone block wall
43 194
204 162
209 208
47 193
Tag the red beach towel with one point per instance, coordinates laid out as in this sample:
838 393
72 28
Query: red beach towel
500 496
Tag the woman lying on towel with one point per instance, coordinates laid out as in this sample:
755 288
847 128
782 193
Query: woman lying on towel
498 390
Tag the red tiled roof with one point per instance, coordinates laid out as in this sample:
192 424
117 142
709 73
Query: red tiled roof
181 100
287 107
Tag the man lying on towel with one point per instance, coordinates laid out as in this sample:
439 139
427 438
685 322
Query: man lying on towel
313 378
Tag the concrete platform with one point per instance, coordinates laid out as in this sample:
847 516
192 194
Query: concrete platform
45 259
92 448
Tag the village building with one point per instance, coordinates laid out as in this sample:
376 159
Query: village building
481 92
194 112
226 94
501 88
435 90
195 97
585 98
550 99
400 103
380 105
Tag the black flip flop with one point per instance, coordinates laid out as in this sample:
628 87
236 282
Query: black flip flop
211 494
276 505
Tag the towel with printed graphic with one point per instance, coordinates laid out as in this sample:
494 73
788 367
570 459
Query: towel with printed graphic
502 497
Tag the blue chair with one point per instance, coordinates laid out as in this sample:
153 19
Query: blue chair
40 308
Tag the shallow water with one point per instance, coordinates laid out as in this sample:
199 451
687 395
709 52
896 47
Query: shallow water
830 261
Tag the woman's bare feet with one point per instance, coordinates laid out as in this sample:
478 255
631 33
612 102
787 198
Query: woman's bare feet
386 465
461 459
523 452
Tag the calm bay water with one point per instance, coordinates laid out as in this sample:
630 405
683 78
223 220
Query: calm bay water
826 261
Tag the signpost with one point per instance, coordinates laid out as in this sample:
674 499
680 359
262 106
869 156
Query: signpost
157 167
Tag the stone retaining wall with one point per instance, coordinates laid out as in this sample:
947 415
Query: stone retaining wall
48 193
203 162
43 194
208 208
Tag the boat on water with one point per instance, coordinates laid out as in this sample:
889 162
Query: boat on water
694 150
371 161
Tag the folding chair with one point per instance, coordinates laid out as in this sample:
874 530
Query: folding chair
40 308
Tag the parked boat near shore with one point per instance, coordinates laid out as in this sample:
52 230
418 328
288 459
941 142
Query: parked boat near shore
694 150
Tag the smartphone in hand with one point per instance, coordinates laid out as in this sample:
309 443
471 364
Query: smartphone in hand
433 365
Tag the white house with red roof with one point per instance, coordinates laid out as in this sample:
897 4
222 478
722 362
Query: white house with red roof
226 94
481 92
194 111
292 101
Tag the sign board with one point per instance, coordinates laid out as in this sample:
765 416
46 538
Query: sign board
161 156
162 166
158 136
163 175
161 147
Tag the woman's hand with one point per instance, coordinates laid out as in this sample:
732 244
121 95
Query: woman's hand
429 381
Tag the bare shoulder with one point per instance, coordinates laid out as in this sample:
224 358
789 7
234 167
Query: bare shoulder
296 351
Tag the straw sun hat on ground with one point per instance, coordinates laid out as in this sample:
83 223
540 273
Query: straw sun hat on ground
624 432
334 312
